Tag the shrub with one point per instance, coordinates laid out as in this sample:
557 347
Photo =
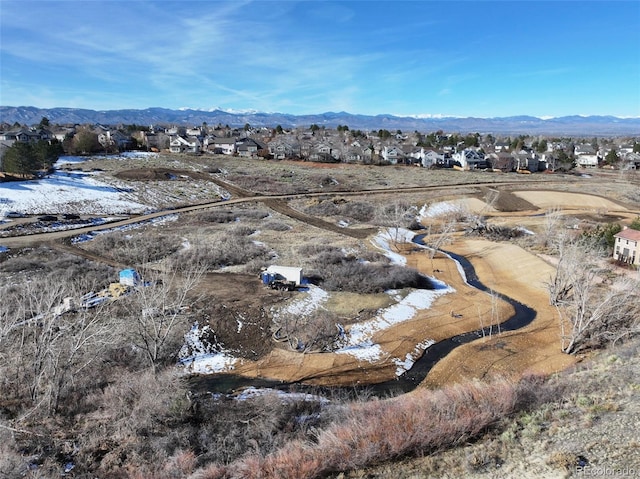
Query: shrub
18 264
370 433
366 278
217 215
312 332
226 250
323 208
358 210
276 226
241 230
135 249
311 249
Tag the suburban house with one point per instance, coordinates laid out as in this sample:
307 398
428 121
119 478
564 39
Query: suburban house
525 160
354 154
281 149
392 155
470 159
631 161
586 156
413 155
502 146
22 135
180 144
224 146
25 135
324 152
248 147
431 158
114 138
626 248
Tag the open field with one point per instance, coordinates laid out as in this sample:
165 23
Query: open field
347 227
277 232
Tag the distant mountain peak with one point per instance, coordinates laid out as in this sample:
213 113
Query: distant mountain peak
574 125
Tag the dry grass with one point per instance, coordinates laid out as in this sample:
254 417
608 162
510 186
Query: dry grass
134 248
375 432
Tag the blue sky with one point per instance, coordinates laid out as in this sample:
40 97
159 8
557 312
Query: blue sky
453 58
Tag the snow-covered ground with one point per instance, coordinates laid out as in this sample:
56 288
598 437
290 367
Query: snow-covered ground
126 155
67 192
440 209
385 239
200 358
358 341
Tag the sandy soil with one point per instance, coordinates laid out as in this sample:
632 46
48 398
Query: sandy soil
512 271
552 199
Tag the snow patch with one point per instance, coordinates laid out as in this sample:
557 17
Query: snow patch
439 209
67 192
196 354
307 303
252 392
404 365
358 340
385 238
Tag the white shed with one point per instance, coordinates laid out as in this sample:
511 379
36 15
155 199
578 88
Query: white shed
288 273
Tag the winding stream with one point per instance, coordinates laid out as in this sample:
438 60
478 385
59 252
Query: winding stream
523 315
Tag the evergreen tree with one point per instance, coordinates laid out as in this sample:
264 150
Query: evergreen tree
542 146
28 158
612 157
20 159
47 153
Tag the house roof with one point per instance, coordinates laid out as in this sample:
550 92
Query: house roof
629 234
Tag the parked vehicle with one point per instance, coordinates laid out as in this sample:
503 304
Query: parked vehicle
282 277
14 214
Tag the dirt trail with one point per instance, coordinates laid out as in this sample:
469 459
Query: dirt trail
282 207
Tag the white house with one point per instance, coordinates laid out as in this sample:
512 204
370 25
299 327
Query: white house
431 158
627 246
586 156
179 144
392 155
225 146
470 159
587 161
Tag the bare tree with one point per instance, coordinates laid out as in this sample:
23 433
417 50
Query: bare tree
442 236
397 216
159 311
306 333
552 218
45 346
592 310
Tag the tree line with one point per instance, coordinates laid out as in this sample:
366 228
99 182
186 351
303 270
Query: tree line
30 158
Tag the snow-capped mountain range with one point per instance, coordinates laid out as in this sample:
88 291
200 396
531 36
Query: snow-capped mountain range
566 125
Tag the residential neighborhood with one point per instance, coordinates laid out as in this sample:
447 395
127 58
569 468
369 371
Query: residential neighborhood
471 151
